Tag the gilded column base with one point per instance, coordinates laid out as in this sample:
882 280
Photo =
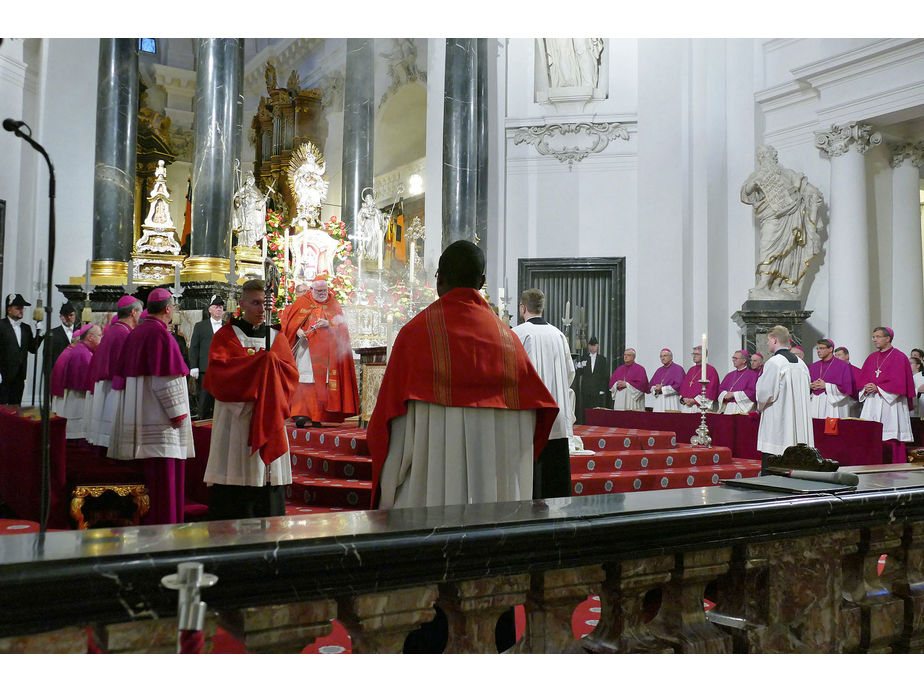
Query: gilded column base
199 268
104 272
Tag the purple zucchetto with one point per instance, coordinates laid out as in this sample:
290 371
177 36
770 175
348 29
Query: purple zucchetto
125 301
158 295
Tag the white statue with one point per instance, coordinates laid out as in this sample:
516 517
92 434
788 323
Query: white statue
788 212
248 215
573 62
306 171
370 228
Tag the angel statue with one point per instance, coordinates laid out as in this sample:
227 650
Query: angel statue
248 214
370 227
306 171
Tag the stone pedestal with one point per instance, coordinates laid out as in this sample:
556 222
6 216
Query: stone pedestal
103 298
756 317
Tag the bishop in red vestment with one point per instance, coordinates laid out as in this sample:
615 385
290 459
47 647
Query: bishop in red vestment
317 333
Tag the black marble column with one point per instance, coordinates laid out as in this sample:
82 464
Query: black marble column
218 102
358 126
116 154
481 203
460 141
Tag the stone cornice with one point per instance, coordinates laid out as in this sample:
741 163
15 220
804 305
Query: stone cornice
285 56
840 138
858 61
175 79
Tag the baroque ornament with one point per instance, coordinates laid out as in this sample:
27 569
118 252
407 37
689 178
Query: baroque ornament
591 138
839 139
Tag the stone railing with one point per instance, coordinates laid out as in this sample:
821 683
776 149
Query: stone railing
787 574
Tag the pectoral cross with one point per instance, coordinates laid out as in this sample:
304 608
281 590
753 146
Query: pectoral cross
878 372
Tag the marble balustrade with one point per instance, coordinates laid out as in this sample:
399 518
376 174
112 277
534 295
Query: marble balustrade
787 573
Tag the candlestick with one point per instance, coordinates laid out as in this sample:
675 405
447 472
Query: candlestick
702 437
703 361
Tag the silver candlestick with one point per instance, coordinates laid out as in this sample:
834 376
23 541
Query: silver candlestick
702 437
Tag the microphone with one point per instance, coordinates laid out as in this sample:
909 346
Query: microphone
12 125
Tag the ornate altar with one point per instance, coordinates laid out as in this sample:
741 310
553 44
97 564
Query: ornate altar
156 255
286 118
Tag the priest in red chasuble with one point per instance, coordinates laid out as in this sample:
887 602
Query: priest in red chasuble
462 413
317 333
249 465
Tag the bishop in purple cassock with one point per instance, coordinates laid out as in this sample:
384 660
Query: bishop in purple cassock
665 383
104 384
153 425
691 389
69 380
832 384
886 391
738 389
628 384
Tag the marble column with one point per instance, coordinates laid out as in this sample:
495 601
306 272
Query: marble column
460 141
907 271
481 203
358 127
116 155
218 100
849 317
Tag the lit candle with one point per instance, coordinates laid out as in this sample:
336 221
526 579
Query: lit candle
568 310
285 245
411 272
703 362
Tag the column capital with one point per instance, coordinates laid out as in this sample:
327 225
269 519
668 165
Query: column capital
906 151
840 138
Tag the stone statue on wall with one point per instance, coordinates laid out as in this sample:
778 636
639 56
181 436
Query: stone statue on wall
248 214
788 211
269 75
573 62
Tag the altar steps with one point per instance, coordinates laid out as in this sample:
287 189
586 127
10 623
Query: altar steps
332 470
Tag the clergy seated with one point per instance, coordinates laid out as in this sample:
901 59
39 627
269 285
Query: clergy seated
832 384
691 389
887 393
737 390
628 384
666 382
69 380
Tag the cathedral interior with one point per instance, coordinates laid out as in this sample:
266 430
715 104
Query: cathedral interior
661 192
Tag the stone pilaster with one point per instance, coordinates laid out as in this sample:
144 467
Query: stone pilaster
358 126
848 245
116 156
907 275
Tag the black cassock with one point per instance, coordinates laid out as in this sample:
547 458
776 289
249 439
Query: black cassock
595 383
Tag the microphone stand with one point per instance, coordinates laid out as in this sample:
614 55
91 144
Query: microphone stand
46 353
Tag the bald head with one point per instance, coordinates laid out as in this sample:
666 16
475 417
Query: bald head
462 264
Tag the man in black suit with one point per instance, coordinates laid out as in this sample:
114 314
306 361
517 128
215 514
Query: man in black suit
595 378
16 343
62 335
199 352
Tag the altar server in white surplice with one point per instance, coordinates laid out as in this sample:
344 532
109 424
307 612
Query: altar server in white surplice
153 425
548 351
783 399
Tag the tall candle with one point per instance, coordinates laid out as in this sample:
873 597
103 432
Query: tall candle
413 252
568 310
703 362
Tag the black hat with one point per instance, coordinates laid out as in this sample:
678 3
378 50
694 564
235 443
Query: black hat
67 308
16 300
217 301
592 341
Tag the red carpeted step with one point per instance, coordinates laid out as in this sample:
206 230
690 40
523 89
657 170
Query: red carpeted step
345 439
194 512
607 438
331 465
343 493
630 460
655 479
